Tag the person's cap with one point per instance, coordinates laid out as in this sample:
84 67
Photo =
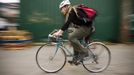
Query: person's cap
63 3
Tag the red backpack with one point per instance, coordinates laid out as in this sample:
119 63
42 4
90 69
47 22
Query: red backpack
90 12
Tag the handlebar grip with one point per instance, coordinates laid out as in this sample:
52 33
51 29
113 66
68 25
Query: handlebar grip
51 34
55 30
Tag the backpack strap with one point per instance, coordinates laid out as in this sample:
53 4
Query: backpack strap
71 7
75 10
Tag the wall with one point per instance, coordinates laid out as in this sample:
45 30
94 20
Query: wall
42 16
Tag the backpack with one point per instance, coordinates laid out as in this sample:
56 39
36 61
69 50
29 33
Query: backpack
90 12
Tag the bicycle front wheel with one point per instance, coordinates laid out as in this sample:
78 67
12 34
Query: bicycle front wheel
50 58
99 59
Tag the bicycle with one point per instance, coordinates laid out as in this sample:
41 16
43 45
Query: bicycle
52 56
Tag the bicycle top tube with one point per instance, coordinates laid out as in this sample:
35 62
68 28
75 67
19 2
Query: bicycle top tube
60 40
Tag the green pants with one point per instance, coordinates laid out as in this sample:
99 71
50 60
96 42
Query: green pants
74 36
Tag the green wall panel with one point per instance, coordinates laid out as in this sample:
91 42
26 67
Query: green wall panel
132 24
42 16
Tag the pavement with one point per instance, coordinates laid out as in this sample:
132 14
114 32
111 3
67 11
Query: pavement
22 62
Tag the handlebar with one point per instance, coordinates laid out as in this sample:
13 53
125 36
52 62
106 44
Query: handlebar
52 38
51 34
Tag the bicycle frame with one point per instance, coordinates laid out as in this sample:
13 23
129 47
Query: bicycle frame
60 44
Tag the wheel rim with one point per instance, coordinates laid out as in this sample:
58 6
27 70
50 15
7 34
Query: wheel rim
46 60
102 55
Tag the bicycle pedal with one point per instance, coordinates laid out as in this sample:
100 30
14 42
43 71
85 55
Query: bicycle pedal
70 62
74 62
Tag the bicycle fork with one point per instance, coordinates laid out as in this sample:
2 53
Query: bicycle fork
56 50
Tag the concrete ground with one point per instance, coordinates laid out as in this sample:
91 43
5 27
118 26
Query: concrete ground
22 62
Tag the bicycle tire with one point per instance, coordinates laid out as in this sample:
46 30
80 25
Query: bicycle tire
55 66
93 64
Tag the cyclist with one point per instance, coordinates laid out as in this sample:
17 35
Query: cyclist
78 29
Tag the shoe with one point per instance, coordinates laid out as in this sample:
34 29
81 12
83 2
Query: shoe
78 58
82 55
74 61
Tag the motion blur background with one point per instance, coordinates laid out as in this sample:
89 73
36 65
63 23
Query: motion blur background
23 22
25 25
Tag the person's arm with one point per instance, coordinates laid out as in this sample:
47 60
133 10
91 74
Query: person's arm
65 26
69 20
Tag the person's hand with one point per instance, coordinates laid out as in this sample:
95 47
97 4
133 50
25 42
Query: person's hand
58 33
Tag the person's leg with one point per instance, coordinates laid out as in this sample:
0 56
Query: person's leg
75 35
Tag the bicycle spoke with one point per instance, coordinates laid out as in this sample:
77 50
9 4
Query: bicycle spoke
100 57
51 59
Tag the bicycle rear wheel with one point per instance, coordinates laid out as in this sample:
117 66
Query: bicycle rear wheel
99 59
50 59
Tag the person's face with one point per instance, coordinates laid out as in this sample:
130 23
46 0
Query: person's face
64 10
